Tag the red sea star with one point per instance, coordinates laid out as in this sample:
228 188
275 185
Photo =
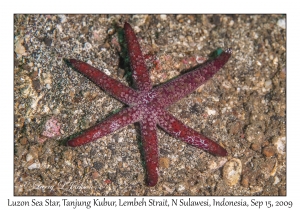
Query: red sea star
147 105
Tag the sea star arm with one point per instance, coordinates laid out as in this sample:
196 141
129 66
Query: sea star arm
137 62
115 88
178 130
150 146
119 120
187 83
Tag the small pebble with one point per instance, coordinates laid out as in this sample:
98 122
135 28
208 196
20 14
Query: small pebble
255 147
52 128
29 157
210 111
164 162
137 29
245 182
234 128
212 165
63 18
194 190
23 141
111 31
87 46
279 142
268 84
274 170
95 175
256 189
181 187
19 48
34 166
107 72
232 171
281 23
269 151
67 155
276 180
163 17
178 17
275 61
169 189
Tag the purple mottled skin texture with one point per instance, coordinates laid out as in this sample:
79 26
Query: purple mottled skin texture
147 105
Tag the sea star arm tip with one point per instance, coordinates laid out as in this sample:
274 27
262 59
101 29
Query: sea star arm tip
190 81
109 125
115 88
150 145
179 130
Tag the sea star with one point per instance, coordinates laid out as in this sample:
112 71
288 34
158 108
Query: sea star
147 105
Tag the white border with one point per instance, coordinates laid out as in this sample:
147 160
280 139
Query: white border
8 9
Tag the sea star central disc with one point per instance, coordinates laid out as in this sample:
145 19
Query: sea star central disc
147 105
